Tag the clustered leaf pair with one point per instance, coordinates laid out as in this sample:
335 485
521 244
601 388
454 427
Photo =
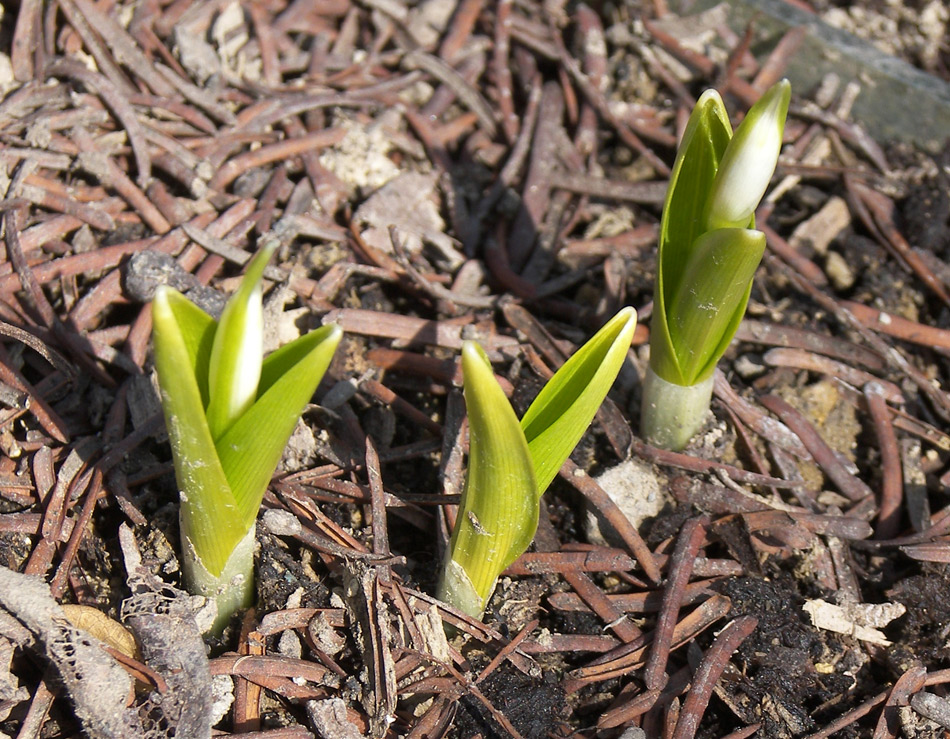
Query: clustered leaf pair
229 417
511 463
229 414
708 254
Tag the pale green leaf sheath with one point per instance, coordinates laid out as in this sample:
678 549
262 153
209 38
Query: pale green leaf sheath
708 253
498 515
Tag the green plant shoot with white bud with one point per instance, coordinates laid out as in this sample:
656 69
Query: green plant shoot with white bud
229 415
511 463
708 253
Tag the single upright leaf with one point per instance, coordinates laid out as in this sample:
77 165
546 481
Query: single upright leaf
714 288
498 516
250 450
208 510
565 407
197 330
704 142
281 361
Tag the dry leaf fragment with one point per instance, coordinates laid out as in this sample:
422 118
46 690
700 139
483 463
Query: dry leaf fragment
860 620
105 629
96 683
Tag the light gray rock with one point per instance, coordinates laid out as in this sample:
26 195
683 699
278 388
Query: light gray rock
634 487
898 102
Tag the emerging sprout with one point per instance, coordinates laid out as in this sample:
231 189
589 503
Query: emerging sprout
708 253
511 464
229 416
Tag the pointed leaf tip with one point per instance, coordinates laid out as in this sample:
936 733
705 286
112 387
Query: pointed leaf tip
252 447
566 405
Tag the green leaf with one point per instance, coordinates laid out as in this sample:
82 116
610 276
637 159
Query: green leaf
250 450
208 509
278 363
498 516
712 296
704 142
235 367
565 407
197 330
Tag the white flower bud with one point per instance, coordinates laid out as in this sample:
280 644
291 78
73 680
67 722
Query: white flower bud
749 161
236 358
238 350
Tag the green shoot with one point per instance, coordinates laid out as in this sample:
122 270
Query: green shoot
709 251
511 464
229 416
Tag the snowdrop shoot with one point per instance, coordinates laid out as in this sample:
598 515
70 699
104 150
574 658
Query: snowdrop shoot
511 463
229 415
708 253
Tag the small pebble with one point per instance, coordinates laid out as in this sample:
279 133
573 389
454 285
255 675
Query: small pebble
747 367
222 696
147 270
823 227
634 732
289 645
839 271
281 523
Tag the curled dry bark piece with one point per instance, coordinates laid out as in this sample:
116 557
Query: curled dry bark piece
859 620
933 707
12 692
330 719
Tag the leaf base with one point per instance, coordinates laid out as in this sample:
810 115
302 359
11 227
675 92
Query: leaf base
233 589
456 589
671 414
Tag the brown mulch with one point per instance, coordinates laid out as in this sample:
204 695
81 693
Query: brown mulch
440 171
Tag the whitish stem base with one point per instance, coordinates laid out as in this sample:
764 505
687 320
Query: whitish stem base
233 589
456 589
670 414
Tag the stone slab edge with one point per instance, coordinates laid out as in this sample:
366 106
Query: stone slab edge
897 101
